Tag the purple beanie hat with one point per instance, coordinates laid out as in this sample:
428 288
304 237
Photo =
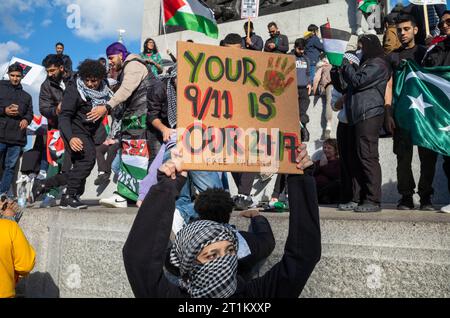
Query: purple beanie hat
117 48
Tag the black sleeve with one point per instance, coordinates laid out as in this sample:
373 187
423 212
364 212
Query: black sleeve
266 46
46 106
145 250
68 64
260 241
29 110
68 110
365 76
258 45
157 101
303 245
283 45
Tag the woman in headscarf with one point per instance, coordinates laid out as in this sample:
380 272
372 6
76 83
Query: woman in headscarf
364 107
205 251
151 54
83 108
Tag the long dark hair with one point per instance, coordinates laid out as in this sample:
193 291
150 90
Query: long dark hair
371 47
146 50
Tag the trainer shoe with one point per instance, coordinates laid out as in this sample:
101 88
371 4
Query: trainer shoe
446 209
48 202
426 205
116 201
406 203
37 190
350 206
70 202
243 202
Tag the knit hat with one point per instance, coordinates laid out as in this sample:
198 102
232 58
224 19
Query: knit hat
117 48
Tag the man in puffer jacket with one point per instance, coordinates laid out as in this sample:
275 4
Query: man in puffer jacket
16 113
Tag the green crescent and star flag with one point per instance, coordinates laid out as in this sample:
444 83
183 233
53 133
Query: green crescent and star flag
422 105
191 15
334 43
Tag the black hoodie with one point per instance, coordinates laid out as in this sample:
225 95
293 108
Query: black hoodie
10 131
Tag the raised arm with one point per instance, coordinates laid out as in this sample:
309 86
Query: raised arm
145 250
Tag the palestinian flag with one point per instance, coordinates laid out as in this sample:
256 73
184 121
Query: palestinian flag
192 15
335 43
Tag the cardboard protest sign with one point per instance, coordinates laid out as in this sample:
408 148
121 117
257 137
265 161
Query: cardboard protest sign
237 109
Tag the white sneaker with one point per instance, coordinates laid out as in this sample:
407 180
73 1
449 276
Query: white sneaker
359 32
116 201
446 209
371 32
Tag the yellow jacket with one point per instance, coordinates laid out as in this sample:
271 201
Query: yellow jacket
17 257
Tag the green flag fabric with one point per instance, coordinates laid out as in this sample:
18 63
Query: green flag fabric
422 105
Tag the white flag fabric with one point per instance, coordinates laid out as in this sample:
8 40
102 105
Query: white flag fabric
32 72
422 2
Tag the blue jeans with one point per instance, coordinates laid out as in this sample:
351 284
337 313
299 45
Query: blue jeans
115 165
11 157
201 180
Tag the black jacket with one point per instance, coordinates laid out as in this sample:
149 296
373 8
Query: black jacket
67 63
281 44
145 249
50 95
439 55
73 118
366 88
157 102
10 131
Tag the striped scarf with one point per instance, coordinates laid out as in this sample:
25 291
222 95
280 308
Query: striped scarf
95 97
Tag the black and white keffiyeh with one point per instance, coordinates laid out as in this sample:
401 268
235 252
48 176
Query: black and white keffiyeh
171 96
95 97
215 279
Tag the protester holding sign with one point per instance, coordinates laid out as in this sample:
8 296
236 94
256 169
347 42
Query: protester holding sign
251 41
205 251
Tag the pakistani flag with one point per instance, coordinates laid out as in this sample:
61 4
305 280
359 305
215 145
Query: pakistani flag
335 43
191 15
422 105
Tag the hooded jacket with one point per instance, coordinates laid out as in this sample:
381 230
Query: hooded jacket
366 88
10 131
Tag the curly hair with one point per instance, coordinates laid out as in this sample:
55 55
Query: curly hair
215 205
91 68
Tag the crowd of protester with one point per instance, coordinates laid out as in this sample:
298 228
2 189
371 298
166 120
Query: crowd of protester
103 111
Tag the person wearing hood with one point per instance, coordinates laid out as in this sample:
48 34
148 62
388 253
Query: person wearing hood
205 252
134 80
16 113
365 100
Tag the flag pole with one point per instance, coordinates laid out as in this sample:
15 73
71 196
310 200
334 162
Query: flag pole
164 25
425 14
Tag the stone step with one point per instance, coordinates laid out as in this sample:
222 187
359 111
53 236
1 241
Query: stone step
388 254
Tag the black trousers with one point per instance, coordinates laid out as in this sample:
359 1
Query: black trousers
446 167
366 157
280 185
82 164
350 188
403 148
303 104
244 181
104 165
